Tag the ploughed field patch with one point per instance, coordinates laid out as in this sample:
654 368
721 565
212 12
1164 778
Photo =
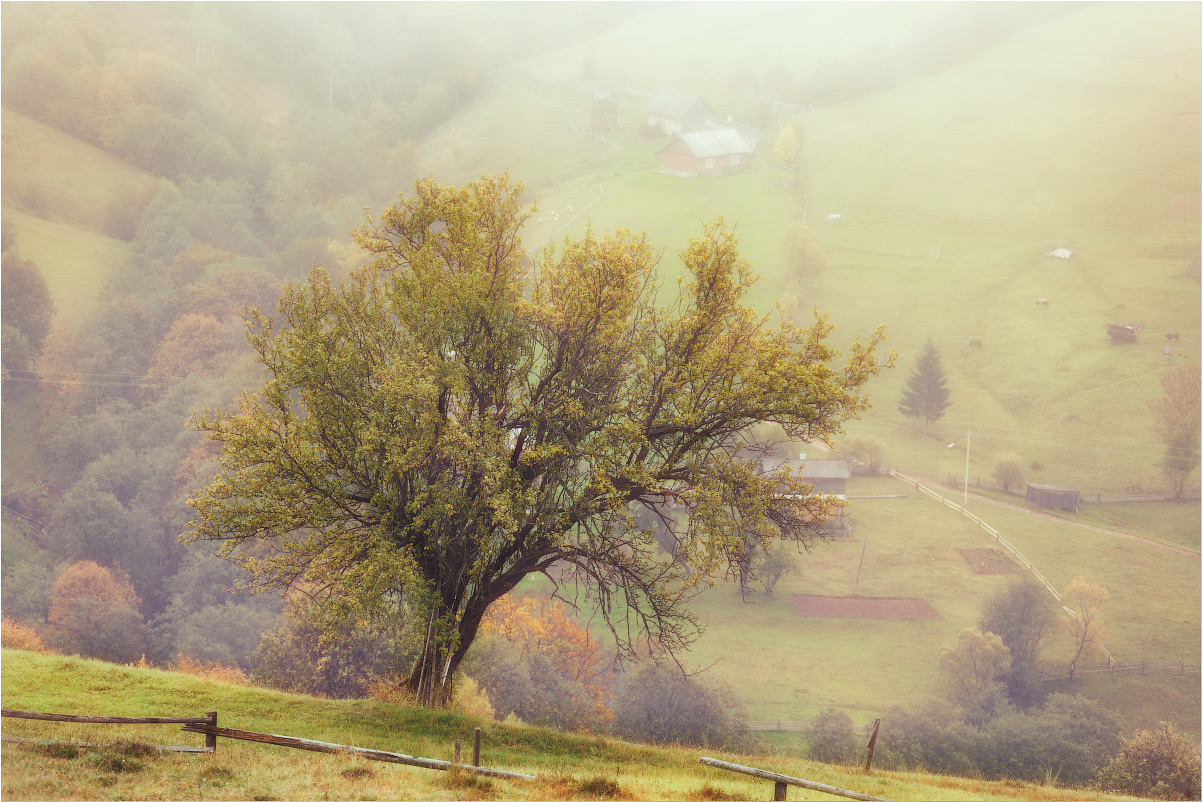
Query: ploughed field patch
860 607
988 561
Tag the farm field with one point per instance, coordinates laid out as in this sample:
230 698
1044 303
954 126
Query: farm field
790 667
568 766
951 192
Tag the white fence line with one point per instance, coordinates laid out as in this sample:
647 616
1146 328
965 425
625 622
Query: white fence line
1018 555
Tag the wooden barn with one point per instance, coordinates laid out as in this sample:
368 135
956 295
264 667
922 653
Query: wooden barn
1053 497
674 112
827 476
1121 333
706 153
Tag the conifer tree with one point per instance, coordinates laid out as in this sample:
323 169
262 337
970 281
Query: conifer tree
926 394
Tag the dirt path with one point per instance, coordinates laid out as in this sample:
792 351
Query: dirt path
1114 532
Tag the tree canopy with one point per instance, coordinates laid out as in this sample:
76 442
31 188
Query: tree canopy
454 417
1178 416
926 393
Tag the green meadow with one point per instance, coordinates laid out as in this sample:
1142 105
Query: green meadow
1080 133
567 766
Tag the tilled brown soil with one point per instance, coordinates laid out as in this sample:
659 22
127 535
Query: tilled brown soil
861 607
988 561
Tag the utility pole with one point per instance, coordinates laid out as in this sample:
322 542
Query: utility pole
967 451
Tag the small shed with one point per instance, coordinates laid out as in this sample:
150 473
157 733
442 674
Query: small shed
674 112
1054 497
1121 333
827 475
707 153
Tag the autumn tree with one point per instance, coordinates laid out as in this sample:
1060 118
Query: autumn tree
1178 416
788 148
926 393
447 421
94 612
971 667
1084 627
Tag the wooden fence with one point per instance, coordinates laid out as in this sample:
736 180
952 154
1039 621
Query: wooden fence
789 726
209 719
1007 545
207 726
1131 668
956 482
783 781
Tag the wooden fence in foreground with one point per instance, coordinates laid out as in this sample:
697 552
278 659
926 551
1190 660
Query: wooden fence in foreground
207 726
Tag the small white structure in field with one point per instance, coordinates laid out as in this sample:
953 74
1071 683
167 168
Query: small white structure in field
834 218
1061 253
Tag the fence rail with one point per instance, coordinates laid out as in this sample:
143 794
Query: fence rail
209 718
1131 668
790 726
954 482
1001 541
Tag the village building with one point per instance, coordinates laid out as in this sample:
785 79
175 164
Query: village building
828 476
675 112
1053 497
707 153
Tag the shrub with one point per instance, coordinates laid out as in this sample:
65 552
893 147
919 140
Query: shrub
868 450
833 739
471 700
660 704
1008 470
1161 763
14 635
331 650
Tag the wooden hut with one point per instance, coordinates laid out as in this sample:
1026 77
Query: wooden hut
1121 333
1054 497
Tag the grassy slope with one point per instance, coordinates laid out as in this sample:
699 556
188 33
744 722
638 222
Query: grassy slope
1070 134
55 190
241 770
790 667
1067 135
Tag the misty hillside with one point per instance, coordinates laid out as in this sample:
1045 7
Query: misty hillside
1004 181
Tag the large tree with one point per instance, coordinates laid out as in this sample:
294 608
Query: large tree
448 421
1024 617
926 393
1179 423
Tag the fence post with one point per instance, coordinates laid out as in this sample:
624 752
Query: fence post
876 726
780 792
456 760
476 748
211 737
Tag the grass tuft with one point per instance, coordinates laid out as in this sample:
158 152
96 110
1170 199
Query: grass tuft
601 787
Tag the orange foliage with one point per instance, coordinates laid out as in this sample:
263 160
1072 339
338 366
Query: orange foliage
214 671
542 624
89 580
14 635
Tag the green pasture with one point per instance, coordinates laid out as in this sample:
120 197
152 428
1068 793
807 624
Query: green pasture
53 174
790 667
567 766
75 262
952 192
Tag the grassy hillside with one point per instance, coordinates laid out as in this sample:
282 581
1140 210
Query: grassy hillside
568 766
1079 133
56 191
